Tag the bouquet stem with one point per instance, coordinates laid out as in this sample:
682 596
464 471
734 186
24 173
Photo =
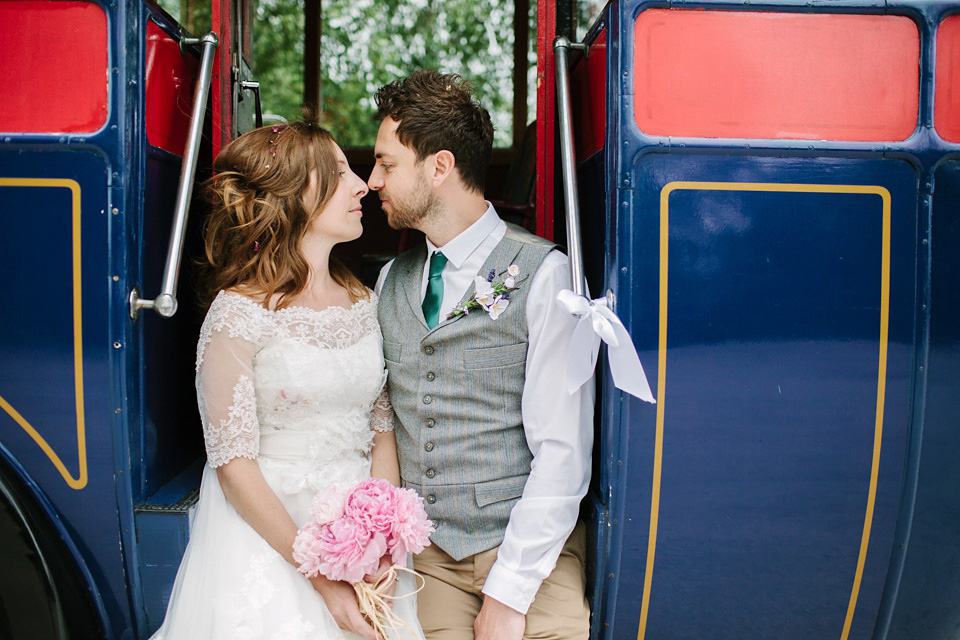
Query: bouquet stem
375 604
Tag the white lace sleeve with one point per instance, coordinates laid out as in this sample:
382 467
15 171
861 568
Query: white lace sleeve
225 390
382 417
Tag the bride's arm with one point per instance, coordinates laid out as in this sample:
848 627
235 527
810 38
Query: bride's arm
385 463
228 409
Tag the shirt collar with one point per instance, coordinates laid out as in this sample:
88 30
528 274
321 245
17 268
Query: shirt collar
459 249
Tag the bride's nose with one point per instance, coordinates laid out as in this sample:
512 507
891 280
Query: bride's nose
360 187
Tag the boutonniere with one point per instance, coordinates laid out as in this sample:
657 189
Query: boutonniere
492 297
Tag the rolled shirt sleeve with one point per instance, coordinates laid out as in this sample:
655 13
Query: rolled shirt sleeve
559 432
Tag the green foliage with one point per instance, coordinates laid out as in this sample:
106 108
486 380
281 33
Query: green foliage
368 43
278 56
194 15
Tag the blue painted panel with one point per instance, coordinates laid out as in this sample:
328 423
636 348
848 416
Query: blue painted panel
37 350
172 432
771 378
928 602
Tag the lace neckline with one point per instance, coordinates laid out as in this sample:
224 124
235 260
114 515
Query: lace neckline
300 309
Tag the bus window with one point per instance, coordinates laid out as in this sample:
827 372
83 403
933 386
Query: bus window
64 90
946 102
721 74
365 45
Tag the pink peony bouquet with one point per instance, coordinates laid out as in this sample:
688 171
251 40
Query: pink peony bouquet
352 528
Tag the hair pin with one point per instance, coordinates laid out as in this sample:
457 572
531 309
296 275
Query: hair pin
256 246
275 138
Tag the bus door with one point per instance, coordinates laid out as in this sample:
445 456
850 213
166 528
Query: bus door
765 182
236 96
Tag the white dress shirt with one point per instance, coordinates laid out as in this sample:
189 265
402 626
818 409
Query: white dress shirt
558 426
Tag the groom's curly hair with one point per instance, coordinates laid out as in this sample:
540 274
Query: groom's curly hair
438 111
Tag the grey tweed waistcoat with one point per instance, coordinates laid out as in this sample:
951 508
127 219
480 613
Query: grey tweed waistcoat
456 390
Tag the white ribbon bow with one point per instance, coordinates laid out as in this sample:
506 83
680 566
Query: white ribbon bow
597 322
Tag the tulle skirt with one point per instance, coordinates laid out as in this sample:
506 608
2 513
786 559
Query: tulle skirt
233 586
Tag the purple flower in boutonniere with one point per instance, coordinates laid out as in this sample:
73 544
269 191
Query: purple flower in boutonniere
493 297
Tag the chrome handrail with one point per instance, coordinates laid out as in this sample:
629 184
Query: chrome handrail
568 165
166 303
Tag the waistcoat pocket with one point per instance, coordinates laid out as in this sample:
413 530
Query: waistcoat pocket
492 357
392 351
499 490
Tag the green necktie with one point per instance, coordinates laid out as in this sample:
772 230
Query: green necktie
434 296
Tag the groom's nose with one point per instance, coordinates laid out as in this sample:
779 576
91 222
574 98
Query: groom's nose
375 181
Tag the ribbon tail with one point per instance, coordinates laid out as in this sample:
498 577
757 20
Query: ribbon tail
625 367
581 355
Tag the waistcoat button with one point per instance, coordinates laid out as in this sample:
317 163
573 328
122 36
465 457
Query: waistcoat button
431 376
431 498
431 422
427 399
431 473
428 350
428 446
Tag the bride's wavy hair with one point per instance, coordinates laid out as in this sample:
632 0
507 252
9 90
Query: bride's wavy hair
258 218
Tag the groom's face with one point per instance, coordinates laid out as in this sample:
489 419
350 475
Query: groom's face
399 180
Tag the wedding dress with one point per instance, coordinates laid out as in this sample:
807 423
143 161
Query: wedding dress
301 392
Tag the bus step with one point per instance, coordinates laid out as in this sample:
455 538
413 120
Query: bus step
163 528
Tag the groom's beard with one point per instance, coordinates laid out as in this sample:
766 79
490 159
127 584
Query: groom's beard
408 213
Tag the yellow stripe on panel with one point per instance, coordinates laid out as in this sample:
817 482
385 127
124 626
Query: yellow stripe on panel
80 481
662 366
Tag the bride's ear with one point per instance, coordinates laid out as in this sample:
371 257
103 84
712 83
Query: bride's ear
443 165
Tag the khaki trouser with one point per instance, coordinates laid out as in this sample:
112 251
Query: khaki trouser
451 597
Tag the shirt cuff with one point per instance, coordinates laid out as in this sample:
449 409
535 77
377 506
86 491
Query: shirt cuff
510 588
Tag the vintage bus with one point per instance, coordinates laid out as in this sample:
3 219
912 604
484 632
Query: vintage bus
768 196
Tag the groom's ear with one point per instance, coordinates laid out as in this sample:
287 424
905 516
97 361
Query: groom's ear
443 165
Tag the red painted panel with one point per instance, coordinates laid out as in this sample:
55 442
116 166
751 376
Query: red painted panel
53 66
946 101
588 93
735 74
221 96
170 82
546 115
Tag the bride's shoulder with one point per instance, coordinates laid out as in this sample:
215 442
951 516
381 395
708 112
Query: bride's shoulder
235 305
234 313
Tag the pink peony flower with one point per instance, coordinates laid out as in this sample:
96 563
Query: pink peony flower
373 504
411 527
328 505
349 551
307 549
351 530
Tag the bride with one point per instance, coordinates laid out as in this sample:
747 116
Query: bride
290 386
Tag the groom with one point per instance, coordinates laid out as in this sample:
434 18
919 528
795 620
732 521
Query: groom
486 431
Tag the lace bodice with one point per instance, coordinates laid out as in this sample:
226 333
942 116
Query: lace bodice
306 385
